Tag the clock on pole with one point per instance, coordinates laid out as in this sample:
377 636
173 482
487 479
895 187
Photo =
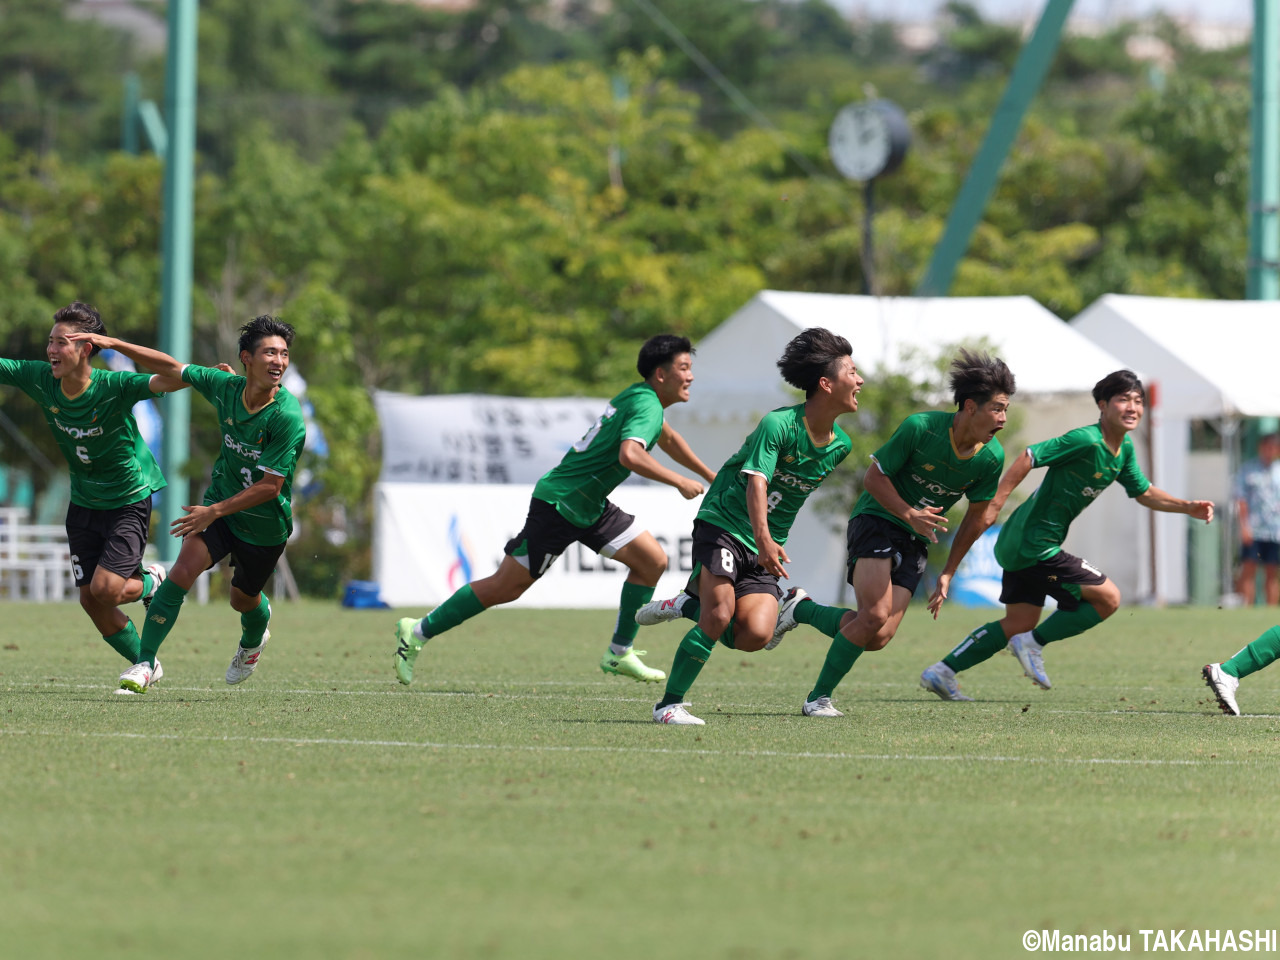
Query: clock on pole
866 141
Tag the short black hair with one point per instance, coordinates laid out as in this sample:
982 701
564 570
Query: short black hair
979 377
83 317
259 328
811 355
1116 384
660 351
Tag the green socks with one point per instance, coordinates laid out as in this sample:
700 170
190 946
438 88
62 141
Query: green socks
1264 650
692 653
983 643
125 642
462 606
634 596
840 659
254 623
161 616
1063 623
822 618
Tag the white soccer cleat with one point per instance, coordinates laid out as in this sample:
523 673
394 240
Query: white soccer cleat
246 660
787 616
941 679
1224 687
136 679
675 713
157 674
158 575
661 611
1027 651
822 707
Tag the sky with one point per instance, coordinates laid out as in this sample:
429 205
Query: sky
1210 11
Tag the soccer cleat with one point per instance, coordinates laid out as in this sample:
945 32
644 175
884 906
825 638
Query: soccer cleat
661 611
156 674
675 713
158 575
941 679
822 707
246 660
787 617
137 678
408 646
1224 687
1027 651
630 665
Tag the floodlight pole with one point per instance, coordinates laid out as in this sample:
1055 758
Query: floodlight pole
176 247
1263 276
1028 73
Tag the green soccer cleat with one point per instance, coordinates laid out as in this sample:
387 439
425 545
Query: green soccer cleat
407 649
629 665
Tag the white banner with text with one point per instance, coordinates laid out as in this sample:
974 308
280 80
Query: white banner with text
431 538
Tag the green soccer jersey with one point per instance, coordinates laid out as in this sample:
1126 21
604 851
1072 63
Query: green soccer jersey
921 462
781 451
580 484
268 441
110 464
1081 466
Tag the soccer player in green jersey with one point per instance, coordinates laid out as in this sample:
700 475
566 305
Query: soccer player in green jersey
570 504
246 512
113 474
1082 463
931 461
741 530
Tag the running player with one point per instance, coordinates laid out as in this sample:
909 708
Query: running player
571 504
740 532
931 461
113 474
246 513
1082 463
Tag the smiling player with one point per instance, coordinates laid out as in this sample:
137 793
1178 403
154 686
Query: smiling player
1082 463
246 512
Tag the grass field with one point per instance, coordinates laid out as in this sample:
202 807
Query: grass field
515 802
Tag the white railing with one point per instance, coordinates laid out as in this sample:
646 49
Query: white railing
35 563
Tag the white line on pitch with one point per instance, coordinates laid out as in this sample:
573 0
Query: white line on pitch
666 751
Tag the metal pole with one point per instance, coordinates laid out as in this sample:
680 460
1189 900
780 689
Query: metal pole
176 251
1263 277
868 251
1028 73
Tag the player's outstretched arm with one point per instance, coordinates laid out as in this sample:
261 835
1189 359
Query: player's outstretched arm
772 556
637 459
973 525
265 488
1156 499
1016 473
926 521
168 371
678 449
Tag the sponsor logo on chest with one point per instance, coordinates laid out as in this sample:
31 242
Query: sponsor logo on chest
79 433
249 453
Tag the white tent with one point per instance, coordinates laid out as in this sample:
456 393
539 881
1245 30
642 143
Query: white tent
1206 360
737 382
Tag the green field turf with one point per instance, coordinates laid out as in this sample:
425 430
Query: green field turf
515 803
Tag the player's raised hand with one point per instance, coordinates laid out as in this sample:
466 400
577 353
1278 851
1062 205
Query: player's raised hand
224 367
99 340
939 594
928 522
689 488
